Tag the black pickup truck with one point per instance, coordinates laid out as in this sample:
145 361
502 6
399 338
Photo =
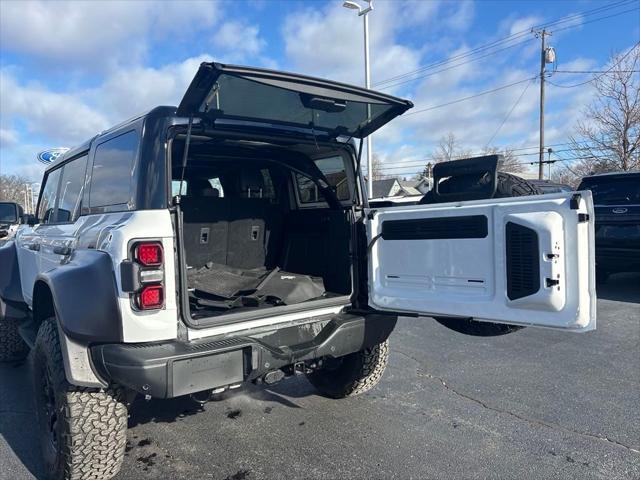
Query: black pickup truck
616 197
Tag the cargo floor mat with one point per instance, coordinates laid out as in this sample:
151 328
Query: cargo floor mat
224 281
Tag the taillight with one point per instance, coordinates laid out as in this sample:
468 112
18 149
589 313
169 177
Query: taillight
150 297
150 278
149 254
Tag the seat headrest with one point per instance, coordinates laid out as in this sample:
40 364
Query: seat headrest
251 184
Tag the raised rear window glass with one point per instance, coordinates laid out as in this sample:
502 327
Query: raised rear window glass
71 190
334 170
263 100
112 171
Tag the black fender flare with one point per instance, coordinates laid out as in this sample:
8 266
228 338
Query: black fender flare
85 298
10 284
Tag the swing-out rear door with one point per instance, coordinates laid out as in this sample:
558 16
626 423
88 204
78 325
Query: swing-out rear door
522 261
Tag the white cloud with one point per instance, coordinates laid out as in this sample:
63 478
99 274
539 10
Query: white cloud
8 137
523 24
462 17
240 39
61 116
329 43
90 34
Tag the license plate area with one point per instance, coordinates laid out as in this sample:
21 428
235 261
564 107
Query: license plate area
192 375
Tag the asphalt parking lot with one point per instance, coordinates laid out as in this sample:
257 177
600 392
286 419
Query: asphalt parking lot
533 404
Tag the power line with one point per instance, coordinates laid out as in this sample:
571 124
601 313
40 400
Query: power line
480 94
451 67
508 39
407 164
526 87
617 62
594 71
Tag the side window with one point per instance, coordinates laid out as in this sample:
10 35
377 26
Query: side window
46 205
215 183
175 187
71 189
334 170
112 170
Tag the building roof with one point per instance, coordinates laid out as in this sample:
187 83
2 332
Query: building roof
382 188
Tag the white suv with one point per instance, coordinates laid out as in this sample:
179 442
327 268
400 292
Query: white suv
229 240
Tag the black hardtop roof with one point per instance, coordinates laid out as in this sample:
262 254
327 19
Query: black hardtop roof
612 175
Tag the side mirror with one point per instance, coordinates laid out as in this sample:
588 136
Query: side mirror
30 219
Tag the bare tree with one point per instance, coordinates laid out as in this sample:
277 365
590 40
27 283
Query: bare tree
448 149
12 188
378 169
608 137
510 162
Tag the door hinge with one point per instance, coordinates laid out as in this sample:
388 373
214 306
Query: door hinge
371 214
574 203
583 217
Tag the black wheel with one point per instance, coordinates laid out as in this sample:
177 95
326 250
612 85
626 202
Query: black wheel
352 374
12 347
507 186
82 430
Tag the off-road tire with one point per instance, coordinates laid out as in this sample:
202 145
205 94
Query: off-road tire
353 374
507 185
12 347
84 436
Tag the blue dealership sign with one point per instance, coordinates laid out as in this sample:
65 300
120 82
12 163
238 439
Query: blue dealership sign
49 156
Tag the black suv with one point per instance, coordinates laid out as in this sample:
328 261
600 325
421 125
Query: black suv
616 197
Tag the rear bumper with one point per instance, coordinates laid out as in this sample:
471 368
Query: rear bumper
616 259
171 369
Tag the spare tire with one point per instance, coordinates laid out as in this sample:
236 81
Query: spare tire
507 185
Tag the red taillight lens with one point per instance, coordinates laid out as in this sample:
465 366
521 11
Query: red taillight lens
151 297
149 254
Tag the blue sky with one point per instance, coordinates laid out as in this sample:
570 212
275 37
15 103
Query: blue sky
71 69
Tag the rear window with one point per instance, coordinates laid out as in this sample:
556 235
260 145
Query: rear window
8 212
334 170
613 191
46 212
71 190
113 170
264 100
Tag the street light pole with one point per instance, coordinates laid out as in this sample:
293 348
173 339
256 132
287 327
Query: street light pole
363 12
367 74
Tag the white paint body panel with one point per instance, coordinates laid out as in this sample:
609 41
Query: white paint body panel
467 277
154 325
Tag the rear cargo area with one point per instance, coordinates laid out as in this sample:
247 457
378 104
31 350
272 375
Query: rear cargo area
247 243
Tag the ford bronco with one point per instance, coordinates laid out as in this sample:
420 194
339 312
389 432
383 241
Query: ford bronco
230 240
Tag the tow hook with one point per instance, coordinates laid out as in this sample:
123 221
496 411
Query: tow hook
300 368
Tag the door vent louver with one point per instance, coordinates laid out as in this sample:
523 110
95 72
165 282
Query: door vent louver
523 261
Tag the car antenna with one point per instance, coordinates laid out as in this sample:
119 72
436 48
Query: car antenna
185 156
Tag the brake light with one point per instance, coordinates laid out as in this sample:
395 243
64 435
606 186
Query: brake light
149 254
151 297
149 289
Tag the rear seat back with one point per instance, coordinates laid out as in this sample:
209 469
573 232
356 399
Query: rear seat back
254 224
205 224
242 230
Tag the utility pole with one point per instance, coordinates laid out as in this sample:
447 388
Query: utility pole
543 70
